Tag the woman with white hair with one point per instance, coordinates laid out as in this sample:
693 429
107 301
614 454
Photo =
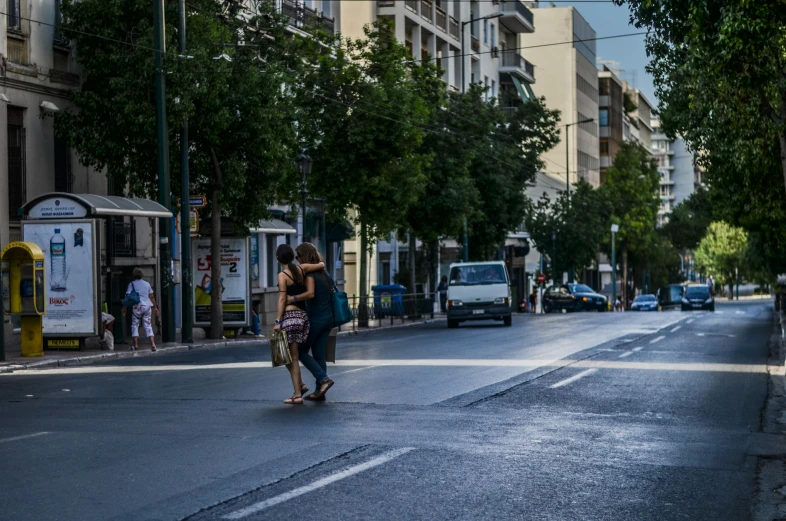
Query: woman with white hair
143 310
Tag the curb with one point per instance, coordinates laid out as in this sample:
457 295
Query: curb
164 348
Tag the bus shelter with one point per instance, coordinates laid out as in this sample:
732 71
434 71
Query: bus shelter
78 235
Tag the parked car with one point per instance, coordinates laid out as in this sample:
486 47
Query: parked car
573 297
479 291
698 296
645 303
670 296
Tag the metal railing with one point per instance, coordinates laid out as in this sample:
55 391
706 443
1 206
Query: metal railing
386 3
425 10
124 240
306 18
412 5
518 7
454 28
376 311
442 20
512 59
475 43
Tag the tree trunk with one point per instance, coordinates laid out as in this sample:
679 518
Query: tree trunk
624 291
782 140
363 305
216 293
411 262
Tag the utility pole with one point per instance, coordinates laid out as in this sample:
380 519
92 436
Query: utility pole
187 282
614 229
164 191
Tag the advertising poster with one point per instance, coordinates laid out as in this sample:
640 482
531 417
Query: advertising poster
255 257
234 280
69 263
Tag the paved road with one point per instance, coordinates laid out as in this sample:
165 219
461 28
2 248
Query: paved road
589 416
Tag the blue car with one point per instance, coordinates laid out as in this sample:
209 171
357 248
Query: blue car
645 303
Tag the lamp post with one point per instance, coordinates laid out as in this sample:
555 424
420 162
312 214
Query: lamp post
187 286
465 253
614 229
571 275
304 164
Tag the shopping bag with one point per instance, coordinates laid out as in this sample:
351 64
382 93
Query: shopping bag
341 311
330 349
279 348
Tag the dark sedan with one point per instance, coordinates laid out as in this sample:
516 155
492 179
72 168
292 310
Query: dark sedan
645 303
573 297
698 297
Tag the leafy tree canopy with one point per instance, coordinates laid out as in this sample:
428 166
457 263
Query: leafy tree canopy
689 220
722 251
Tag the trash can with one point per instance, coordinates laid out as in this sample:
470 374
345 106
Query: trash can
388 300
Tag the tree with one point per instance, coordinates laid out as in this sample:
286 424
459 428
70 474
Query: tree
579 222
507 158
363 123
689 220
719 68
722 252
630 193
241 122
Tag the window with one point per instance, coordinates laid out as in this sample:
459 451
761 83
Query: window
486 85
604 117
486 32
604 148
493 89
327 8
17 194
14 15
63 177
61 60
493 36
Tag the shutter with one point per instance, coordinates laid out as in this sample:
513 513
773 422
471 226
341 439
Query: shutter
16 117
62 167
16 171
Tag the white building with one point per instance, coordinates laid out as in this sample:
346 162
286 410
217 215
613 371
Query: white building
680 174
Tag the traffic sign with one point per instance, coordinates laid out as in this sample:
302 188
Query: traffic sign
197 201
541 278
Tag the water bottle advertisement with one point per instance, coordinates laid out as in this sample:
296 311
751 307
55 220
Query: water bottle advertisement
69 261
234 280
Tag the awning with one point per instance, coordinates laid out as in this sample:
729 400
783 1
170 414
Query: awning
273 226
61 205
525 91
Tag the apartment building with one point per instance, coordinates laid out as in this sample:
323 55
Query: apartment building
680 174
474 42
611 115
568 78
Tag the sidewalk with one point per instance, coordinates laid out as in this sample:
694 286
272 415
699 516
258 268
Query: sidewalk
92 354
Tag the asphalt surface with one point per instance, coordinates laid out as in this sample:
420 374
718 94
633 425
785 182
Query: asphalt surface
588 416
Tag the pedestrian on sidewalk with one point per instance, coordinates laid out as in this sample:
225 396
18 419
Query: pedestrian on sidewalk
533 300
292 318
142 312
442 289
256 328
319 306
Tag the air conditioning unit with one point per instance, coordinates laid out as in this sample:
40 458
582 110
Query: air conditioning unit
495 52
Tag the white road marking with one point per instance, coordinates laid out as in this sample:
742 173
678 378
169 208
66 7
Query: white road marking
699 334
719 312
623 355
638 348
351 471
354 370
573 378
675 329
24 437
740 312
689 321
655 340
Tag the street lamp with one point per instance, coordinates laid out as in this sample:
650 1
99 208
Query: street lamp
614 229
567 151
463 90
571 275
304 164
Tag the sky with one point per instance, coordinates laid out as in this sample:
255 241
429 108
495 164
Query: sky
609 19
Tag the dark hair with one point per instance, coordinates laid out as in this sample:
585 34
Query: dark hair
308 253
138 273
444 278
285 255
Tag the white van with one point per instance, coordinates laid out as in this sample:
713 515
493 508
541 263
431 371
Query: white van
478 291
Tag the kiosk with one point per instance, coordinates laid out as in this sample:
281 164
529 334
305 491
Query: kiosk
23 292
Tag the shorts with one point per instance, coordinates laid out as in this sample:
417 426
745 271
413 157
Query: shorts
141 313
297 326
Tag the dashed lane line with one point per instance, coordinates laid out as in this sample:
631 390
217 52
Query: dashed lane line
627 353
573 378
638 348
656 340
23 437
338 476
689 321
675 329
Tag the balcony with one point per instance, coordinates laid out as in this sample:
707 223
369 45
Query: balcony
303 17
513 63
66 78
454 28
426 8
412 5
442 20
516 16
475 43
386 3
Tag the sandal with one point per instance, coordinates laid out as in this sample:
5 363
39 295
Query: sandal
323 388
295 400
303 389
315 397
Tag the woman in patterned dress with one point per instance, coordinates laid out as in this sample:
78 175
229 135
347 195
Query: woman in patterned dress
292 318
